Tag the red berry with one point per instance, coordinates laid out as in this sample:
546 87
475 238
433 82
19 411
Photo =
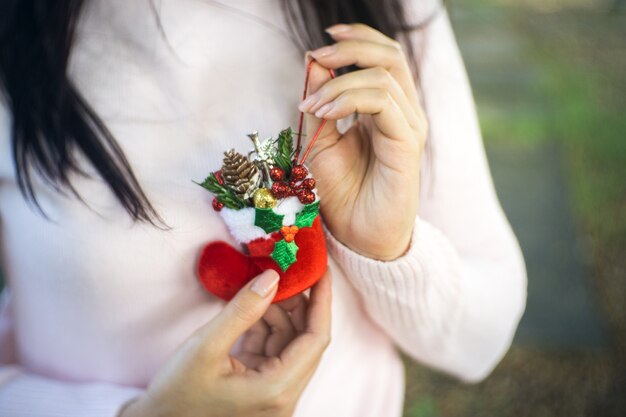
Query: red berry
308 183
217 204
299 172
306 196
294 187
280 189
277 174
218 176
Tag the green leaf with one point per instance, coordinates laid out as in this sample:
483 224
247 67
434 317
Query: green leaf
224 194
285 253
305 217
284 151
267 219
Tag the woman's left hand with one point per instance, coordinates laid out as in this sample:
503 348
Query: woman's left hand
367 178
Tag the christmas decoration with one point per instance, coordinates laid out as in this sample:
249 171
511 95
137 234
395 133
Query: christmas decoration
280 189
270 205
241 175
289 232
305 196
217 204
308 183
219 178
277 174
298 173
225 195
263 198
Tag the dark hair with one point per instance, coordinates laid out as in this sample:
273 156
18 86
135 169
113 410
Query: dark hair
51 120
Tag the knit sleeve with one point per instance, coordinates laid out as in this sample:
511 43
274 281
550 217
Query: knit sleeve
454 300
24 394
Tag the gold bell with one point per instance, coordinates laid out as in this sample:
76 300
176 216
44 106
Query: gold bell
263 198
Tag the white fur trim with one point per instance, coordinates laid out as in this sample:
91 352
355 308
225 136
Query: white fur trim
289 207
241 224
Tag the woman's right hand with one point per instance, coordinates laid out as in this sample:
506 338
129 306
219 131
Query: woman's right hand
282 346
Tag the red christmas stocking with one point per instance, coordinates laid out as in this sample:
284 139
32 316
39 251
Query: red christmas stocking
223 270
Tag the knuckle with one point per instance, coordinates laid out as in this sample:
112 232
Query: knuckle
321 342
384 77
349 44
346 98
273 365
277 396
397 52
326 90
325 341
396 45
384 97
388 80
244 311
349 95
380 73
424 134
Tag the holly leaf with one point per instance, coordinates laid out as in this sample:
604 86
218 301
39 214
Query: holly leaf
284 150
285 253
267 219
306 216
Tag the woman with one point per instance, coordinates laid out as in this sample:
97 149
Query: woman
103 315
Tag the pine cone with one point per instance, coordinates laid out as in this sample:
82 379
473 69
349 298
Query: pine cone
241 175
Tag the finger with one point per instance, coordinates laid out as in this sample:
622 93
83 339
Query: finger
267 337
367 54
319 309
329 135
251 360
281 329
377 77
362 32
240 314
386 114
255 338
296 306
303 354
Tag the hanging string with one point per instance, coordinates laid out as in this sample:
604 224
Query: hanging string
321 126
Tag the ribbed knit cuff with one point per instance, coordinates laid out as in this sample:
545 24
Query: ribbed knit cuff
411 293
360 268
27 395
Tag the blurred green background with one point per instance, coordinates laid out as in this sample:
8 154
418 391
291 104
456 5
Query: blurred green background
549 78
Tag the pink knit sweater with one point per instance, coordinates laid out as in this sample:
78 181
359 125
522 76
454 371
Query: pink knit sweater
96 304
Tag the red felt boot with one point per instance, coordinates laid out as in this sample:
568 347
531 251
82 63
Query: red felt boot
296 251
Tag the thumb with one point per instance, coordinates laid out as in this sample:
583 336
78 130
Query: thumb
318 76
245 309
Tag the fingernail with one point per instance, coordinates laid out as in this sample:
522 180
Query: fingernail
309 102
324 109
324 51
335 29
265 283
